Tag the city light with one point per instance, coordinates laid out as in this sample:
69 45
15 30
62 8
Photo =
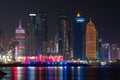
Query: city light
79 44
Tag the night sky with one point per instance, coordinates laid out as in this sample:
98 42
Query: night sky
104 13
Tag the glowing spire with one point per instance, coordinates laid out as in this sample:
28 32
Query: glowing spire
78 14
90 20
20 26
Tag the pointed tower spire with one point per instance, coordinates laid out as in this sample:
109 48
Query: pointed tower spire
90 20
20 25
78 14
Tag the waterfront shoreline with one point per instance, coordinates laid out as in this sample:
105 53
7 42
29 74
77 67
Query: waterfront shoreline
41 64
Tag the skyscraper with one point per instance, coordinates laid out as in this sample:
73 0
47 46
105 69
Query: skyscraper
64 36
114 51
100 48
79 37
20 40
41 33
37 34
31 48
106 52
91 41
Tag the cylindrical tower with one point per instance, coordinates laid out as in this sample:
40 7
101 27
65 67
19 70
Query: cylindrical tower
90 41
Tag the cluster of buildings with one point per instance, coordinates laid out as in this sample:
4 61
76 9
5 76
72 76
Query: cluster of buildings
77 39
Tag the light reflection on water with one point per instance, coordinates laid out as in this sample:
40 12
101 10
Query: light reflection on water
59 73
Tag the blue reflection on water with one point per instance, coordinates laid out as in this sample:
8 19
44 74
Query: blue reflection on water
48 73
31 73
61 73
82 72
78 73
65 73
103 73
52 73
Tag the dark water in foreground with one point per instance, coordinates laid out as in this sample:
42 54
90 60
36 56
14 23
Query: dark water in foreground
61 73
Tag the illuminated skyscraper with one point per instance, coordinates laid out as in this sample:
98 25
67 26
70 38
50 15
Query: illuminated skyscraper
106 52
42 33
31 47
64 36
91 41
37 34
20 40
100 48
114 51
79 37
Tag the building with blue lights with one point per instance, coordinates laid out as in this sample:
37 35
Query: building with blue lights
79 37
105 51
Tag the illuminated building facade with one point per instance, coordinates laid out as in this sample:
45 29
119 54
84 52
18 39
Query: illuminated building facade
97 47
51 50
79 37
20 41
100 48
106 52
37 34
114 51
91 41
64 36
41 33
31 43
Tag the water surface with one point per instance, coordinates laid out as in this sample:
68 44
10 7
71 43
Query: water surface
62 73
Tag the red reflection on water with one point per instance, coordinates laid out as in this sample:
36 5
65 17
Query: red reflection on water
15 73
25 73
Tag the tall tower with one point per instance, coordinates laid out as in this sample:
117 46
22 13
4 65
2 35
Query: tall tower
37 34
64 36
100 42
79 37
20 40
106 52
91 41
31 35
41 33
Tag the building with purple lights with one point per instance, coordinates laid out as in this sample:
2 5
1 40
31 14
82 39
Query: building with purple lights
19 41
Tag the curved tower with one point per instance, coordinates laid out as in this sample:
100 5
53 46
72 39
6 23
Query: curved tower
90 41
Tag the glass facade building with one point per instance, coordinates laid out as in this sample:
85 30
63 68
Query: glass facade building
64 36
37 34
79 37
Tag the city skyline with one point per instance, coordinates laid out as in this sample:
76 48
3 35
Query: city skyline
104 14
